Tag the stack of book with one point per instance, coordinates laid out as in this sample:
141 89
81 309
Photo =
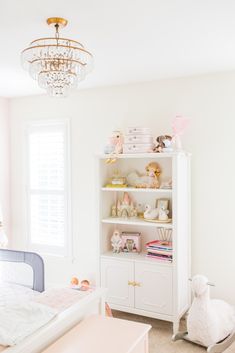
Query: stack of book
160 250
138 140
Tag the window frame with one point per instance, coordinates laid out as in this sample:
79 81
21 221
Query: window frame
47 125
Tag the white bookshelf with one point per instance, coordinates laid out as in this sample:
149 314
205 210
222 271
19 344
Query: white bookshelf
136 283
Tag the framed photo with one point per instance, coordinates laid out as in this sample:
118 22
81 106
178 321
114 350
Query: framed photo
131 242
162 203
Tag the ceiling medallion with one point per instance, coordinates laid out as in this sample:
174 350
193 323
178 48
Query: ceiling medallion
58 64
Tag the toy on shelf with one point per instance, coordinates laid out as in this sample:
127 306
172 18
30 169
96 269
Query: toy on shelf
210 322
179 126
150 180
158 214
164 144
151 213
114 146
74 281
124 208
116 181
85 284
116 241
167 184
163 214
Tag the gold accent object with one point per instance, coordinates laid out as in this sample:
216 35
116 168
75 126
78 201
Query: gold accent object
158 221
57 64
134 284
137 284
131 283
62 22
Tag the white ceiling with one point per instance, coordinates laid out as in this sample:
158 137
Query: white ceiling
132 40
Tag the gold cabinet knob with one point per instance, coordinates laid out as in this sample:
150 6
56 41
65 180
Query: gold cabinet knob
134 284
131 283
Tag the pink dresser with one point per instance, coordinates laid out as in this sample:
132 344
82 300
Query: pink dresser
98 334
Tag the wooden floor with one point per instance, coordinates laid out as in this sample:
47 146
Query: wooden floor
160 336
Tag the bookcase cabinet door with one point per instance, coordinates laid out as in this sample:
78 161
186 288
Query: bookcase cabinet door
154 288
115 275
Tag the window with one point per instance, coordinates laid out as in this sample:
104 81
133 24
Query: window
48 202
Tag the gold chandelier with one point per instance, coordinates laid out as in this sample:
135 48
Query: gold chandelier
58 64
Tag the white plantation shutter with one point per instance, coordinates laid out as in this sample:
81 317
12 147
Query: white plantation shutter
48 187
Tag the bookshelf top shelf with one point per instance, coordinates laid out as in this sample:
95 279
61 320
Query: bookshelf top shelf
144 155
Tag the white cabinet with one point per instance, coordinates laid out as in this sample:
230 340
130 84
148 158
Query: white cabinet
117 276
136 283
153 290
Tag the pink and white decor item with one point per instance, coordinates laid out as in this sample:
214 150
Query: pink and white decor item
179 125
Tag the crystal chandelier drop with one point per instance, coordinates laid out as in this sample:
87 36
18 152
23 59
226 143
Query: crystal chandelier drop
58 64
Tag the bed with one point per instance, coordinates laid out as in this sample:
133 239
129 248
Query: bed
22 277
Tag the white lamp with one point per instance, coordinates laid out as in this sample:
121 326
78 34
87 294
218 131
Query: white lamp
3 237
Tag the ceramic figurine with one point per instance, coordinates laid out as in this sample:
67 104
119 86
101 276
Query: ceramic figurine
116 241
150 180
151 213
163 214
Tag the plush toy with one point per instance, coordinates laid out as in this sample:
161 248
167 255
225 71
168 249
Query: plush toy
150 180
209 320
116 241
114 146
164 144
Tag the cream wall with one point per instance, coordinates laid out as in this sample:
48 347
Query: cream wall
4 164
208 100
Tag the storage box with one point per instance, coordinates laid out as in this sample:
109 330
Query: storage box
137 148
138 131
131 242
143 139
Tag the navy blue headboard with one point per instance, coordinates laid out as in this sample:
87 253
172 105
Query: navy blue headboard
30 258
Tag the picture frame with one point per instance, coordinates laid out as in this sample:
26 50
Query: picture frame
162 203
131 242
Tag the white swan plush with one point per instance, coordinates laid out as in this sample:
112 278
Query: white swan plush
151 213
209 320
